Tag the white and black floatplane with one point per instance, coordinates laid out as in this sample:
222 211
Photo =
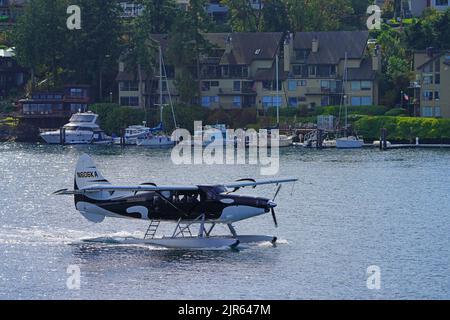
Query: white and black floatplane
205 206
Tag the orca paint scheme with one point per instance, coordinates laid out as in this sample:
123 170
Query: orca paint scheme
187 205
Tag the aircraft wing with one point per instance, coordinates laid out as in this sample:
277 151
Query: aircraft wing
254 183
140 188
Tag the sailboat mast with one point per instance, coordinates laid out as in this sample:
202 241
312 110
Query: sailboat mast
345 83
278 93
160 85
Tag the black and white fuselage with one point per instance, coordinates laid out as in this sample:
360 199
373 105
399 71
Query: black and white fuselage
96 199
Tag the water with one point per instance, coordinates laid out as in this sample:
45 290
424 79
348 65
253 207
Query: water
351 210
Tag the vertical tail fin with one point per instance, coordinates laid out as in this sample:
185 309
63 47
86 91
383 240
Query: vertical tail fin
86 173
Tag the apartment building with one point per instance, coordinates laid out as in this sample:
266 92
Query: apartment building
417 7
315 62
241 71
431 94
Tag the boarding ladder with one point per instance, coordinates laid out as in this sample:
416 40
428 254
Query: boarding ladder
152 228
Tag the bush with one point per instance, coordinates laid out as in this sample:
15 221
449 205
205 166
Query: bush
404 128
355 110
397 112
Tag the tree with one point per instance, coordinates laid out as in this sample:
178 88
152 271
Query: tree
186 45
142 54
432 30
94 49
39 37
274 16
243 17
312 15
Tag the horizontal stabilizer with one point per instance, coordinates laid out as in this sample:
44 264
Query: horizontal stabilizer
248 183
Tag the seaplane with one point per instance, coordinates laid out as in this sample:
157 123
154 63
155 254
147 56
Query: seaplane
188 206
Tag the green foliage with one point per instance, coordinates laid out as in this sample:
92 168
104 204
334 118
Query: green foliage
6 106
114 117
404 128
433 30
186 45
358 110
396 112
45 45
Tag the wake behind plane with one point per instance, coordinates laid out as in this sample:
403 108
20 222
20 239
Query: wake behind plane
203 206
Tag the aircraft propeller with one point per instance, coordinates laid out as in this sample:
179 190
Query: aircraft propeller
274 216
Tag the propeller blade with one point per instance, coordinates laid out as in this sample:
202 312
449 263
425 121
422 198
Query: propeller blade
276 193
274 218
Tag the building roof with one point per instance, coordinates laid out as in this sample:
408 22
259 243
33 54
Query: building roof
434 58
364 72
332 45
247 47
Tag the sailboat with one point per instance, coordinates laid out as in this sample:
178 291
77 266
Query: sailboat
284 140
347 142
156 138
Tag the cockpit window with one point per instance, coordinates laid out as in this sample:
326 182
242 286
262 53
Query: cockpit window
212 193
82 118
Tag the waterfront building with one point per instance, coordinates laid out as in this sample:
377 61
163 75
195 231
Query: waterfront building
51 109
241 71
315 62
417 7
430 97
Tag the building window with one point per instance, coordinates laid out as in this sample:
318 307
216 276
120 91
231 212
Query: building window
129 101
427 112
366 85
206 85
129 86
214 83
293 102
325 84
237 101
437 111
437 78
236 86
356 85
427 79
292 85
325 101
361 101
428 95
271 101
76 92
208 100
441 2
437 95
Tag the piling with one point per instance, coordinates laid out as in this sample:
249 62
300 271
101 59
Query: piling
62 136
122 137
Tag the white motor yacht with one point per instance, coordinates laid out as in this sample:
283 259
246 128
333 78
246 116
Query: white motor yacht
83 128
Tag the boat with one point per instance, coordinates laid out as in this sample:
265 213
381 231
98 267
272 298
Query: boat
156 138
83 128
352 141
132 133
378 142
